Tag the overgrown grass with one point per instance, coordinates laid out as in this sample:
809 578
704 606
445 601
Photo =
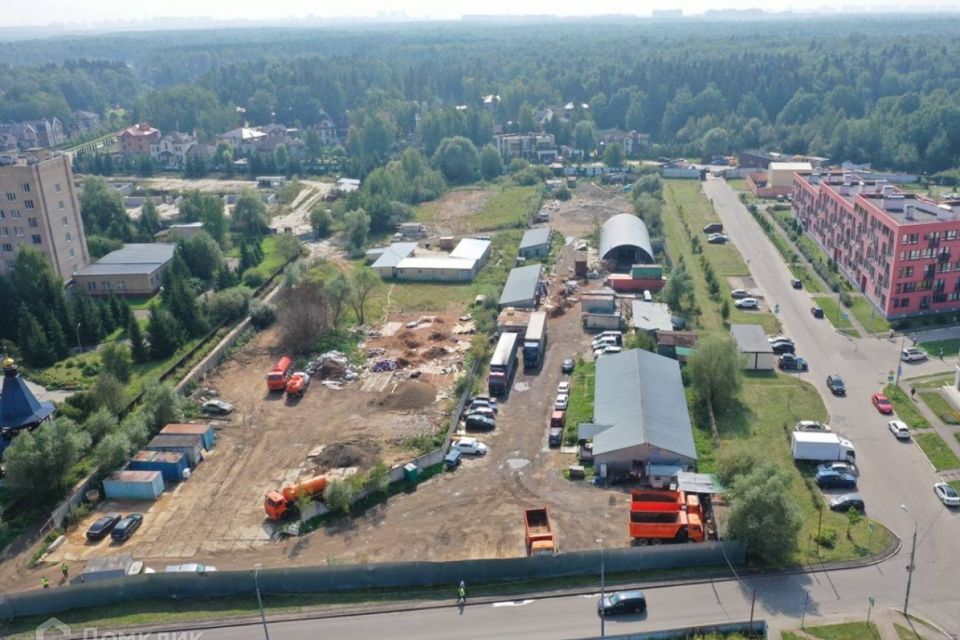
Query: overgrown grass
845 631
939 453
838 318
941 407
272 260
905 407
580 408
937 348
509 208
867 315
738 184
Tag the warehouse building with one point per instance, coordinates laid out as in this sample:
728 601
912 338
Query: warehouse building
650 317
441 269
624 242
134 270
472 249
754 347
535 243
386 259
523 287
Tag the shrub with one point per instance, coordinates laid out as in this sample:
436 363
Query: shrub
827 538
90 369
253 278
339 496
262 315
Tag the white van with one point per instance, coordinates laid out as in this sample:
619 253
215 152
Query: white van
647 296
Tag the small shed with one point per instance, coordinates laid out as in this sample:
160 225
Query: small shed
170 464
679 345
105 568
205 431
600 301
522 288
133 485
189 445
535 243
754 347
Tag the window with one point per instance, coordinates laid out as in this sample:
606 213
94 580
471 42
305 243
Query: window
18 231
3 232
8 248
14 214
122 285
37 239
25 187
106 285
71 252
92 286
33 223
57 188
28 204
11 196
61 207
65 221
2 214
10 264
67 236
950 235
905 272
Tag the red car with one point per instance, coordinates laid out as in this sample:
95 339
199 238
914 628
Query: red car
882 403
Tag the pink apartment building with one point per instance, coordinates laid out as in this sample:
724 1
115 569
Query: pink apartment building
900 249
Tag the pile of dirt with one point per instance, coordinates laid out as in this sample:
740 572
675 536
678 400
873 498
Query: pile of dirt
346 454
332 369
436 336
435 352
410 394
411 343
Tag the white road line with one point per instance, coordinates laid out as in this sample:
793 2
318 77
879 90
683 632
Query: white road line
513 603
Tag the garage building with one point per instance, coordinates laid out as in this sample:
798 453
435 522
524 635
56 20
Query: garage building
640 414
535 243
754 347
439 269
625 241
522 289
387 258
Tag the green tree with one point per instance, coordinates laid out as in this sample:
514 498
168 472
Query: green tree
458 160
289 246
249 214
613 155
491 164
84 312
525 120
716 372
99 423
716 142
101 208
229 304
679 287
363 280
281 158
321 221
208 209
108 393
337 291
378 478
149 221
113 451
162 405
39 462
585 136
357 224
116 360
737 459
313 143
339 496
164 332
33 341
138 349
764 515
202 255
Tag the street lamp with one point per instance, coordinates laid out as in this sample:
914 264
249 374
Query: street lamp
256 583
913 557
603 612
79 346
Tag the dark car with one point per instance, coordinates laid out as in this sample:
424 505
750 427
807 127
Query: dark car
848 501
622 602
782 346
791 362
835 480
817 312
480 421
99 529
453 458
836 386
567 366
127 526
796 283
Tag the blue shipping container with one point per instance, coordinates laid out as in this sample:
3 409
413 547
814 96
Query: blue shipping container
171 464
205 431
133 485
191 445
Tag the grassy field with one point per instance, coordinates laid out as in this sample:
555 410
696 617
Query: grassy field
738 184
845 631
905 407
941 407
939 453
867 315
936 348
581 399
836 317
905 633
509 208
272 260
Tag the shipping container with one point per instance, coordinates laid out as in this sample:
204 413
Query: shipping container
133 485
104 568
189 445
170 464
608 321
205 431
650 271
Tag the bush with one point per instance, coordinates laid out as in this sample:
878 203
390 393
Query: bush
339 496
90 369
262 315
827 538
253 278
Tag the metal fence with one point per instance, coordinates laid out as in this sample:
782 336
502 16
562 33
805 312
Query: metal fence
394 575
756 629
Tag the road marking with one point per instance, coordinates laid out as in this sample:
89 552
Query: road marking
513 603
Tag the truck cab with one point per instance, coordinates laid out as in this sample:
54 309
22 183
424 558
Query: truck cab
557 421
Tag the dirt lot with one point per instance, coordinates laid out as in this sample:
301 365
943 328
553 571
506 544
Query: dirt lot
206 185
590 205
450 214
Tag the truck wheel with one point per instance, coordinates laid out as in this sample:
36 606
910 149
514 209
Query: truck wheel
656 542
643 542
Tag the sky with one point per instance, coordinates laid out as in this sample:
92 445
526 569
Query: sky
94 13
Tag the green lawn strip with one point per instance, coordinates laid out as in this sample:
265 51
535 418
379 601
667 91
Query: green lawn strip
937 450
832 312
508 208
786 635
905 633
955 483
934 381
868 316
580 408
845 631
770 405
272 260
905 407
738 184
936 348
941 407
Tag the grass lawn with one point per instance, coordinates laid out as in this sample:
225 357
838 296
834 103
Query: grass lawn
143 302
509 207
936 348
839 319
845 631
905 407
738 184
941 407
939 453
272 260
580 408
906 633
868 316
930 382
955 483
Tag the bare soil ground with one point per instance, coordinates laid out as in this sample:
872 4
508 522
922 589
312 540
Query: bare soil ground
206 185
589 206
450 214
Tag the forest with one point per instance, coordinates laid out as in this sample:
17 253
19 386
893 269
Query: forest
880 89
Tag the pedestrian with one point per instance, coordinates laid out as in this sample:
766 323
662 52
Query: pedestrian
462 593
913 392
65 570
44 582
940 353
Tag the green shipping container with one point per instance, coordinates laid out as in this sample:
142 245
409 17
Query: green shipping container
652 271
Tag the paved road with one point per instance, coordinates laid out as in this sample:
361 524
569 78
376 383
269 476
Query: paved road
892 474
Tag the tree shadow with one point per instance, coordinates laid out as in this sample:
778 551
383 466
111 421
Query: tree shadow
781 595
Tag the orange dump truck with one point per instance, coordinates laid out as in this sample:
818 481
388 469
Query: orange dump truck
277 378
297 384
665 516
277 504
540 540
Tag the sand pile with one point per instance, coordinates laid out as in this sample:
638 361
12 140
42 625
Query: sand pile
410 394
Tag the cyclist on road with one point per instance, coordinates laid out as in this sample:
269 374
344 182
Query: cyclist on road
462 593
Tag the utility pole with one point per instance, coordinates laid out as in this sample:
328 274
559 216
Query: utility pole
79 346
913 558
603 613
256 583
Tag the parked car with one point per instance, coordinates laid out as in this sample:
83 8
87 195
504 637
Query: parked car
816 311
190 567
603 351
738 294
913 354
487 400
947 494
560 404
791 362
882 403
717 238
848 501
812 425
479 405
899 429
604 341
471 446
781 348
835 384
796 283
453 458
779 338
99 529
482 410
835 480
713 227
567 366
564 387
840 466
219 407
478 421
126 527
622 602
747 303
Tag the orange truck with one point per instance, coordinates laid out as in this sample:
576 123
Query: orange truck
277 504
297 384
665 516
540 540
278 376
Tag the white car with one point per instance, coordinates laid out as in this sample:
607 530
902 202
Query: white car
747 303
780 338
602 351
912 354
191 567
560 404
899 428
471 446
812 425
564 387
947 494
481 410
604 341
738 294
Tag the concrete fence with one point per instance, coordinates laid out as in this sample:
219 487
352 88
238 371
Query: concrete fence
394 575
756 629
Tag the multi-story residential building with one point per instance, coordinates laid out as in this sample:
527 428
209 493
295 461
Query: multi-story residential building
39 209
137 140
170 151
900 249
535 147
49 132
